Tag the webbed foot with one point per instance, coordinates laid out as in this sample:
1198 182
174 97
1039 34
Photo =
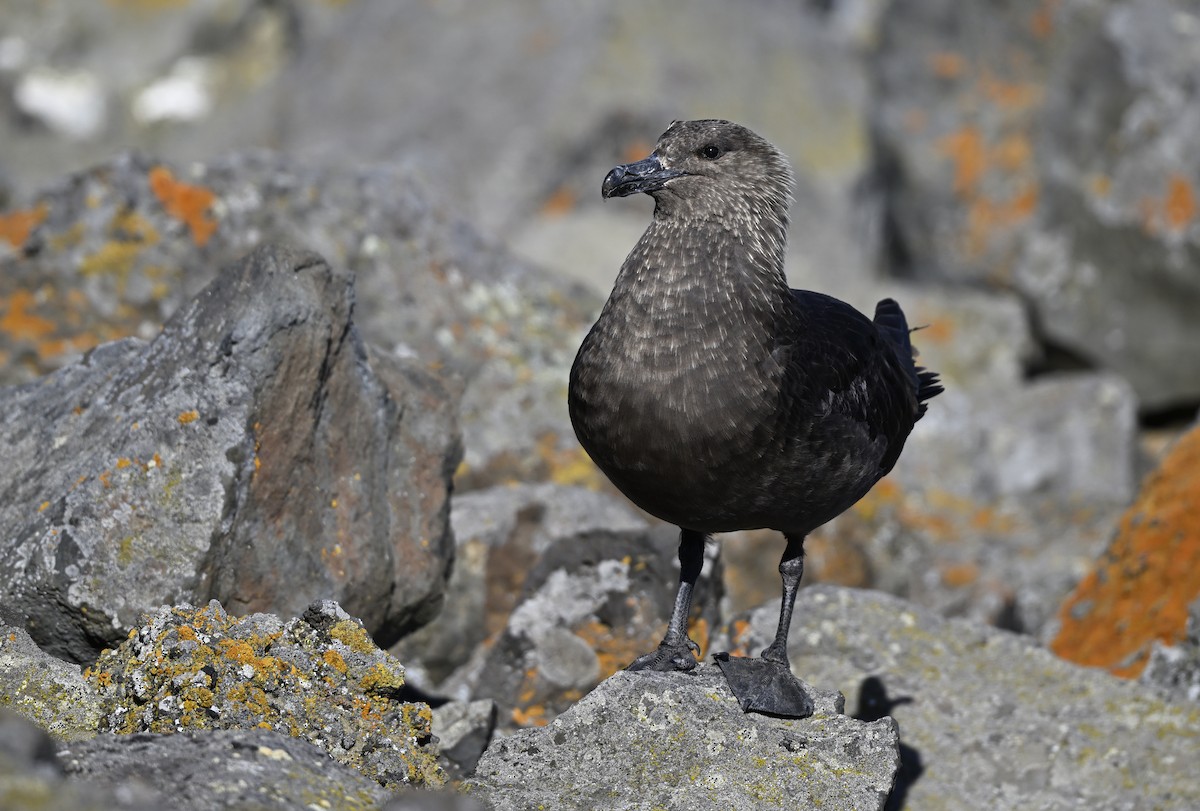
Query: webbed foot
667 658
765 686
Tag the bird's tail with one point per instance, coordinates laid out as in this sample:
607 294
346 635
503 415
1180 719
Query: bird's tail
889 318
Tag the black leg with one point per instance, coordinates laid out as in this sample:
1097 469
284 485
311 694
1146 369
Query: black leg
791 569
766 684
675 652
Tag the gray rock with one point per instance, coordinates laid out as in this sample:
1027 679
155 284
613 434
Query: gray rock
500 533
217 770
680 740
122 247
463 730
48 691
587 606
1175 669
33 779
1053 151
318 677
255 451
989 719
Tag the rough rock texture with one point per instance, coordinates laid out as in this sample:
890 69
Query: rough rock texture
500 533
48 691
255 451
217 770
1139 590
680 740
559 589
463 730
318 677
1051 148
32 778
988 719
116 250
1175 669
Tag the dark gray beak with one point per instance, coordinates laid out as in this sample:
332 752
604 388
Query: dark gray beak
647 175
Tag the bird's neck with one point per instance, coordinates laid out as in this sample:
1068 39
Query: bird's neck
688 264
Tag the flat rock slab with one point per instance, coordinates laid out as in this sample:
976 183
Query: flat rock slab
680 740
990 719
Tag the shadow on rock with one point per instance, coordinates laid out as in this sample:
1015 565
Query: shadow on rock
875 703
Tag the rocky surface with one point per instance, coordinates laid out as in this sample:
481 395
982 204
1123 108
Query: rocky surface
556 589
48 691
1049 148
989 719
255 451
680 740
116 250
1139 591
318 677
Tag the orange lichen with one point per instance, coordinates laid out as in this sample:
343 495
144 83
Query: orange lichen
636 150
559 203
19 323
967 151
187 203
1140 589
188 416
1041 22
533 716
958 575
947 64
1180 206
16 226
1012 96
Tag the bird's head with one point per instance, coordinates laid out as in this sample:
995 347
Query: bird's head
709 169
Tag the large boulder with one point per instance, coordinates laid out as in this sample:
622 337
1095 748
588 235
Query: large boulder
1139 590
256 451
1051 148
680 740
987 718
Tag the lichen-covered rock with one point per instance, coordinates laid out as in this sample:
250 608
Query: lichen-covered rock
318 677
1139 590
1051 148
500 533
1175 669
48 691
990 719
568 615
680 740
255 451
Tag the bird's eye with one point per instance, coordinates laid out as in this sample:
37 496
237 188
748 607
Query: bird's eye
710 152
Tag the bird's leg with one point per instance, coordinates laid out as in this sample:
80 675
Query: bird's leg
676 651
791 569
766 684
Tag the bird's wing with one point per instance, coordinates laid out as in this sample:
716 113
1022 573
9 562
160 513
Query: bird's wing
838 362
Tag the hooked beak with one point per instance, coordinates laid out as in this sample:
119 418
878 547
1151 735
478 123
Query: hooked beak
647 175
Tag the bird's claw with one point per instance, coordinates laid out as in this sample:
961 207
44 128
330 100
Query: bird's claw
667 658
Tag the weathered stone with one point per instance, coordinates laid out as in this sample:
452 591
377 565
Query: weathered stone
680 740
590 604
221 769
463 730
1139 590
1052 149
989 719
115 251
318 677
500 533
48 691
32 779
254 451
1175 669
